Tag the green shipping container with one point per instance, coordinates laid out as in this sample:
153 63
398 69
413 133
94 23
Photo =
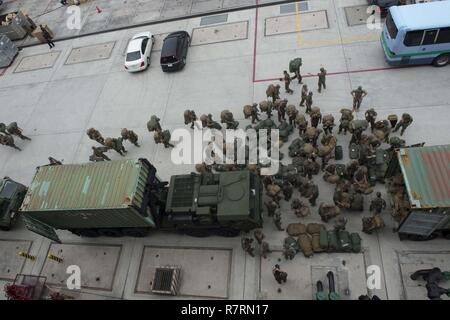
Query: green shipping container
106 194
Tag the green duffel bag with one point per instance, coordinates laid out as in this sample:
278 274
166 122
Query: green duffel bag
357 203
333 245
338 153
356 242
324 239
316 243
304 242
345 244
295 64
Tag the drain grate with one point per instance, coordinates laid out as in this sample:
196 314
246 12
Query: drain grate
166 280
291 7
221 18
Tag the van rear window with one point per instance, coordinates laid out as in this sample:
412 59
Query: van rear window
169 59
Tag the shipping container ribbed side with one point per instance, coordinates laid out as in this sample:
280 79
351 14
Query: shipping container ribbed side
110 194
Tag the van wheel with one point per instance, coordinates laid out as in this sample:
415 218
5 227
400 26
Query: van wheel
184 62
441 60
227 232
113 233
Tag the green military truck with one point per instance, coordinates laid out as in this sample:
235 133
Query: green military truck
11 197
126 198
419 183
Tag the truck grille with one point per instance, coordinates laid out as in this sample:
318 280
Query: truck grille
183 192
166 280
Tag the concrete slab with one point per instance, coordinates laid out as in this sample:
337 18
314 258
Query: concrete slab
205 5
303 274
289 23
176 8
98 264
411 262
293 7
356 15
90 53
212 282
220 33
36 62
11 263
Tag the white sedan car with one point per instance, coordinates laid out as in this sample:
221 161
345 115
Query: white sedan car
138 52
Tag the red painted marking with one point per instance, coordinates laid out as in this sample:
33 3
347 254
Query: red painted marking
429 175
255 42
439 159
436 175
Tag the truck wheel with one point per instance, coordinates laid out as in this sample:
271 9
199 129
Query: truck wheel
135 232
197 233
88 233
446 235
227 232
113 233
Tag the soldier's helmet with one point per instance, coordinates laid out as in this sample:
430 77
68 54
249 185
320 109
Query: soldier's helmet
322 69
277 266
277 86
124 132
93 148
359 88
379 194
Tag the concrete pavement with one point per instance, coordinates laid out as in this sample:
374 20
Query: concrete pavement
55 102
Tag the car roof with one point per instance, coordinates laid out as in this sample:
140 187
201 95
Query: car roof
170 46
135 45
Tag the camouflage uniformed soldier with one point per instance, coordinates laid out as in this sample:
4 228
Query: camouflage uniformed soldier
289 253
301 123
358 96
265 249
277 221
130 135
287 81
300 209
396 142
304 95
247 246
328 123
164 138
267 181
311 135
371 224
274 192
259 235
404 123
309 167
280 106
279 275
14 129
189 117
153 124
203 168
328 211
340 224
371 116
98 154
378 204
309 102
292 113
266 106
273 91
95 135
251 111
8 140
322 77
313 193
288 190
316 117
116 144
272 207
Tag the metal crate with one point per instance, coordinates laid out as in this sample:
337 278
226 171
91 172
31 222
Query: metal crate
8 51
166 280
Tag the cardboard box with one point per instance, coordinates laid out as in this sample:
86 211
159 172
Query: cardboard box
37 33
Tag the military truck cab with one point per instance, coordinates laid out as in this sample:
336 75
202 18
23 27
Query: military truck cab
419 184
11 197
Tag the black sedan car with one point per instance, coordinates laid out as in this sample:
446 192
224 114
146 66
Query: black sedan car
174 51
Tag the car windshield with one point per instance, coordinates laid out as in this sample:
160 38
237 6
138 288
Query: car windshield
133 56
7 191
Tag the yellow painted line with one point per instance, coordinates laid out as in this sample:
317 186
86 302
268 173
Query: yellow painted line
299 34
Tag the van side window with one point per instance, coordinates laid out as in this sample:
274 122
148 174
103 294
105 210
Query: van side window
430 36
443 36
144 45
413 38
